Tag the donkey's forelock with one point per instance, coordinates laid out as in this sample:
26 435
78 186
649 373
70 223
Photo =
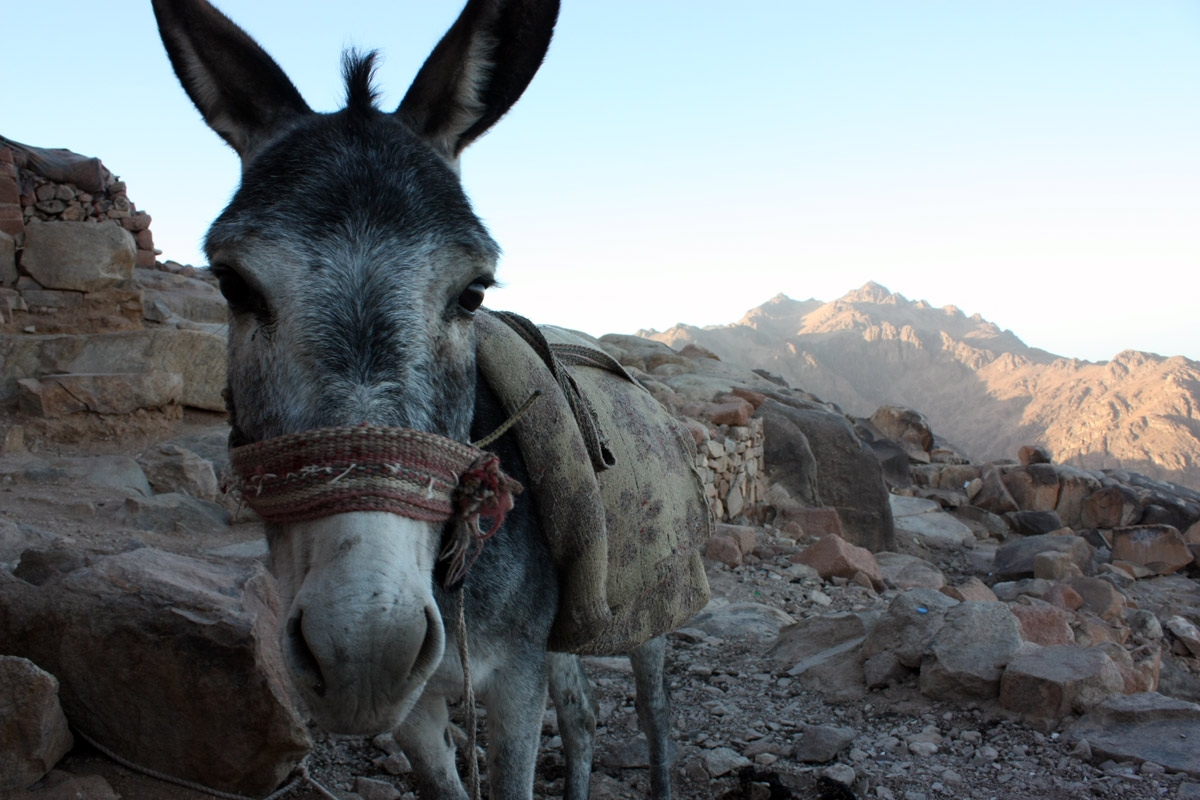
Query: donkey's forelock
358 70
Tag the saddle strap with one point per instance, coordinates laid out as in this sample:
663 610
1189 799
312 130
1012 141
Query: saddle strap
555 357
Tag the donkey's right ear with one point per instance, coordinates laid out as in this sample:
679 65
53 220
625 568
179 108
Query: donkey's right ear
242 93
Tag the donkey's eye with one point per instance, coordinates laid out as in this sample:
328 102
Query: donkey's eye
240 295
472 297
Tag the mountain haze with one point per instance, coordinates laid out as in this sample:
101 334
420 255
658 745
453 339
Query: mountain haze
984 391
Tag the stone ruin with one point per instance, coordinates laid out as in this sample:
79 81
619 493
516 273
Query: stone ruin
89 320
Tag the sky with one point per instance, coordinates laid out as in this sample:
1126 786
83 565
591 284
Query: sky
1033 161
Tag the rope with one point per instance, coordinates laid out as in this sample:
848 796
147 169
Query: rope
300 775
508 423
460 632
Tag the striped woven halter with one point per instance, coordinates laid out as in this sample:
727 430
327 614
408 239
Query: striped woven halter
422 476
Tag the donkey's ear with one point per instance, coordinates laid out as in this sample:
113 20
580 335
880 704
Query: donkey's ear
478 70
241 92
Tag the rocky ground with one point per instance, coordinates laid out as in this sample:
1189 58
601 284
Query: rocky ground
746 728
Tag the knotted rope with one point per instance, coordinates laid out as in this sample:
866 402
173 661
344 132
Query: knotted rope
422 476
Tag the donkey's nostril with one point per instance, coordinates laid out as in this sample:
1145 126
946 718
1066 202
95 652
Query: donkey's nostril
303 660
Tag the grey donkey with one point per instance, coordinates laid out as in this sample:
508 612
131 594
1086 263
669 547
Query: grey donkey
352 264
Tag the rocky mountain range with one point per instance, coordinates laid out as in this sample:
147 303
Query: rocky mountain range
984 391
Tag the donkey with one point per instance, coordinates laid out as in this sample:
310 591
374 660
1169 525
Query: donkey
352 264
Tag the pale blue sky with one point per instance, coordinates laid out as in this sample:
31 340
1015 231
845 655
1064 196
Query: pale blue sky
1034 162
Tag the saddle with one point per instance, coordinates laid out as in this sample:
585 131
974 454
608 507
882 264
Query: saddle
613 474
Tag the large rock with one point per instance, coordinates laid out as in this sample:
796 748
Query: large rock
171 468
848 477
1159 548
788 455
903 572
993 495
33 729
1075 486
906 427
1114 506
925 521
969 652
167 660
1034 488
834 557
1015 558
197 356
1144 727
822 653
1052 682
908 626
122 393
82 256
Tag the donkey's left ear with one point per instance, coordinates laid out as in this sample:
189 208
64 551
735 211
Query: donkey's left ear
477 71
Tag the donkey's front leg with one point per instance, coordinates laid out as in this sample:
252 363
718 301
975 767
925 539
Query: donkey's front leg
426 738
515 698
653 711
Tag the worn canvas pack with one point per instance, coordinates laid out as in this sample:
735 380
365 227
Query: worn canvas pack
621 503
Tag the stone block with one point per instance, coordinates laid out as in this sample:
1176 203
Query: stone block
723 550
1043 623
80 256
833 556
1159 548
33 729
52 298
171 468
121 393
1055 681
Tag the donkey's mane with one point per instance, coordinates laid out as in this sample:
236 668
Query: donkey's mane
358 70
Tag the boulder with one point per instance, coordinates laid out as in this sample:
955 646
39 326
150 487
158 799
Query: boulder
1114 506
1043 623
1034 454
993 495
1159 548
833 556
970 589
82 256
1143 727
788 455
906 427
817 744
968 653
1033 488
924 521
1015 558
171 468
60 785
1052 682
908 626
822 653
904 572
1075 486
848 476
1099 597
33 729
170 661
122 393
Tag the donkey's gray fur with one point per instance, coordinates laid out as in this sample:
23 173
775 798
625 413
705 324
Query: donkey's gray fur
352 263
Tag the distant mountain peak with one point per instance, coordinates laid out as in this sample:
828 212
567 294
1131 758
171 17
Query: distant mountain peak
872 292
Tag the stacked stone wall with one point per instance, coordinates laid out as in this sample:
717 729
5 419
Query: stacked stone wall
730 459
